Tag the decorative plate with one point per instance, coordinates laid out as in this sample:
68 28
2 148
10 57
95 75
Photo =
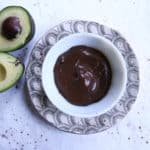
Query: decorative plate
64 121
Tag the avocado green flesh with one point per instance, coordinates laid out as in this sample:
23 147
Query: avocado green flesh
25 22
2 72
10 71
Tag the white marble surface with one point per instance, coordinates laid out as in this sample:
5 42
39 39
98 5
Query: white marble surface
22 128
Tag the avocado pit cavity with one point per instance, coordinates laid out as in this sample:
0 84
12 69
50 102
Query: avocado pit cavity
11 27
2 73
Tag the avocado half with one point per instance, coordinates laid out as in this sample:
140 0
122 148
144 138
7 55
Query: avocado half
16 28
11 70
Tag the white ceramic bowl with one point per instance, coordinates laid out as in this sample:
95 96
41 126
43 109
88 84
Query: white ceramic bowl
119 74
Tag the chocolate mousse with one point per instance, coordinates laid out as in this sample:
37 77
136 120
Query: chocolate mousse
82 75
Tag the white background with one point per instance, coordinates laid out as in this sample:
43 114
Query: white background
22 128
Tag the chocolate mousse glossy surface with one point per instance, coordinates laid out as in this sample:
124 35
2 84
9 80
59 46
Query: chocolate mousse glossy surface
82 75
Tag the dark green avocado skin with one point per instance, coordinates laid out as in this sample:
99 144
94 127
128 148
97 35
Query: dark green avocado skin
32 30
32 24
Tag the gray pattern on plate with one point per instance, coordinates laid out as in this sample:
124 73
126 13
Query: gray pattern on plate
64 121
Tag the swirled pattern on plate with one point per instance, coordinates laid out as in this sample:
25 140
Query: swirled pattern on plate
64 121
